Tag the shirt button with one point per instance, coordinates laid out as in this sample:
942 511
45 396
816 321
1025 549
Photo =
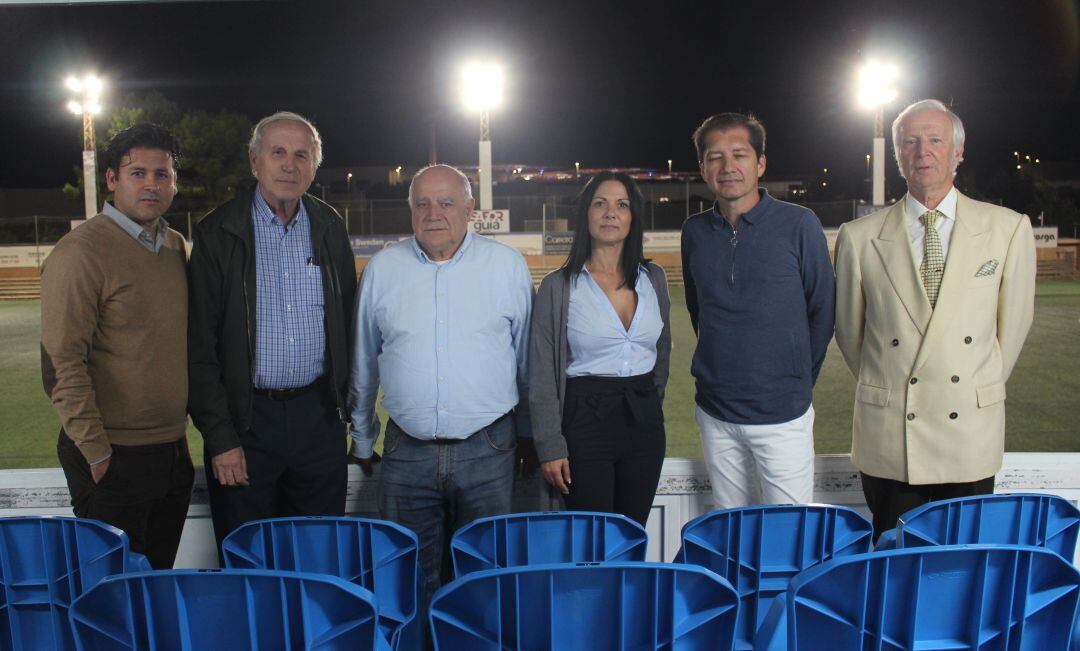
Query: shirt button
286 274
955 379
895 342
290 340
441 379
288 308
438 349
440 322
442 408
914 380
967 340
953 415
911 416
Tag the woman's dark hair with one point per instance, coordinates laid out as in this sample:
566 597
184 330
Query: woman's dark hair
633 253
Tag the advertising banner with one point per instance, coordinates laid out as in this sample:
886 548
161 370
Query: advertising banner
365 246
658 241
1046 237
558 242
487 222
23 256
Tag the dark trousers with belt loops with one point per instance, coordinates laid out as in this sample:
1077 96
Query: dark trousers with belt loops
614 429
296 463
145 493
889 499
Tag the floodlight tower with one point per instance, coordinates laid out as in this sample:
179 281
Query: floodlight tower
89 91
875 91
482 91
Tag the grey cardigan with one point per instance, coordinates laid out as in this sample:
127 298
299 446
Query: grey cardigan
548 357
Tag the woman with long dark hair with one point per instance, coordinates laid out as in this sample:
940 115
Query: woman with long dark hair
598 358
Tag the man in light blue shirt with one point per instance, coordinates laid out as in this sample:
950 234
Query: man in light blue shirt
442 323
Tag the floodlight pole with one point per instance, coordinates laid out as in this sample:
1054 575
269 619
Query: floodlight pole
88 89
879 156
89 158
485 161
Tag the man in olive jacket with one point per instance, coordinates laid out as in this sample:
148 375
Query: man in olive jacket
272 279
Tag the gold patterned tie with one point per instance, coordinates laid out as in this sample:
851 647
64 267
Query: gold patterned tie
933 264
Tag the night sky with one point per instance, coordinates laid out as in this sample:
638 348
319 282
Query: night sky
601 83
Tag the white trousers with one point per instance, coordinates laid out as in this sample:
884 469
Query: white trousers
759 464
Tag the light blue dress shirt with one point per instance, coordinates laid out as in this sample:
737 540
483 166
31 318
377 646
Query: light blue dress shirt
290 320
448 342
135 230
597 342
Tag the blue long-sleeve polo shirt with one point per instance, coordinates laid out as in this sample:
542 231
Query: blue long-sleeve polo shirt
761 299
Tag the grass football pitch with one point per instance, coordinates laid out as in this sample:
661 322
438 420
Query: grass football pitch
1042 407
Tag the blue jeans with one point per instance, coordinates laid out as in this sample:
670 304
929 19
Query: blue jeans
437 487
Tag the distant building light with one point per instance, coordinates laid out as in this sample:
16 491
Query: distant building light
663 200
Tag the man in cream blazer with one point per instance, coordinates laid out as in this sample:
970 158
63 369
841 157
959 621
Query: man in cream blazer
931 323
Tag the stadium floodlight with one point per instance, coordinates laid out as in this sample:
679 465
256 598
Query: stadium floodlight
88 105
875 90
482 90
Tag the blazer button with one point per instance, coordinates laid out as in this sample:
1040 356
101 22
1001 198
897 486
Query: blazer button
955 379
914 380
895 342
953 416
967 340
911 416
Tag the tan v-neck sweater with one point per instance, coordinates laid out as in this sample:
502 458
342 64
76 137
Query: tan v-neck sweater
114 337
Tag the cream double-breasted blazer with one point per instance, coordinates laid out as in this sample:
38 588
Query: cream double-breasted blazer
930 393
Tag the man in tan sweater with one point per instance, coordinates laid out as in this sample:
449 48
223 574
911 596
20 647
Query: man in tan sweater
114 350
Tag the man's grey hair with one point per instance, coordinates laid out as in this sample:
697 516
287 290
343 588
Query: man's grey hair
466 184
289 116
933 105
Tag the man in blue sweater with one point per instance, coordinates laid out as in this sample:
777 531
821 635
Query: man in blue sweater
760 291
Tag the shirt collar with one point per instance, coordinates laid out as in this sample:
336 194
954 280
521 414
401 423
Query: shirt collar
261 210
914 210
643 273
754 214
466 242
131 227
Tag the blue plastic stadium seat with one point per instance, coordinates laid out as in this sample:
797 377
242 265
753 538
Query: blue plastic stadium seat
45 563
959 598
376 555
760 548
564 607
1046 521
238 610
550 537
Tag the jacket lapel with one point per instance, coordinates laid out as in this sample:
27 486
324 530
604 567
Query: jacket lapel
965 245
893 246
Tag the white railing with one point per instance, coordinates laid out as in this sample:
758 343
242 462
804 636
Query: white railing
683 494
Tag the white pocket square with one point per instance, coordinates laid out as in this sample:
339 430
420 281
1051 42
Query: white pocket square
987 269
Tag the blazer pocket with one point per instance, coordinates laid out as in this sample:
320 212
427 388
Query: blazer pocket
872 395
991 394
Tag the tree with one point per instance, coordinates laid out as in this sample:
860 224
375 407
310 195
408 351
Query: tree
213 146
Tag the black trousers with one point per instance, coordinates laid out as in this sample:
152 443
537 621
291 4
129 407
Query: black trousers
145 493
888 499
614 429
296 463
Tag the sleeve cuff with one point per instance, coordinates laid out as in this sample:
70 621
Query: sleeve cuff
362 449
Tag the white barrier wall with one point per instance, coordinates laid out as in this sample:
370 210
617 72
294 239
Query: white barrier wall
683 494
